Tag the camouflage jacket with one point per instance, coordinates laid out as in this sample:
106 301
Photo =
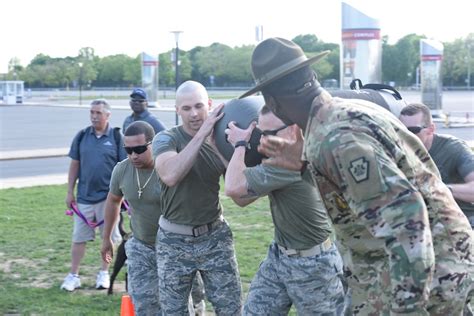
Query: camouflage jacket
383 193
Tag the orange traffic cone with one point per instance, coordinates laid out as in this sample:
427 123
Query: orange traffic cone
127 306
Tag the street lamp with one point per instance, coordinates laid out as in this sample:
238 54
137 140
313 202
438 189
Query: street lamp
80 82
176 63
468 79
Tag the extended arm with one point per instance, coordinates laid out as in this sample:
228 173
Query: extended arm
72 176
171 166
111 216
236 185
464 191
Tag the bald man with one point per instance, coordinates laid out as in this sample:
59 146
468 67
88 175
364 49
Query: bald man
193 235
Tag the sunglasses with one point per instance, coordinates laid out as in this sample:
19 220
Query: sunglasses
137 100
416 129
137 149
272 132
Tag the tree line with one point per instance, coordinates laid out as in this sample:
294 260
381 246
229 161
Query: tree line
222 66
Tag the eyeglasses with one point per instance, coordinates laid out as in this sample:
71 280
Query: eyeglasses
137 149
138 100
272 132
416 129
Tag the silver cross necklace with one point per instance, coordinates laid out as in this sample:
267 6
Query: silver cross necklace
140 188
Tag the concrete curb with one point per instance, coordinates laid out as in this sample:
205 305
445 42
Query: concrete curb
84 106
24 182
34 154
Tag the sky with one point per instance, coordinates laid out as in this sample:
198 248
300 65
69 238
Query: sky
60 28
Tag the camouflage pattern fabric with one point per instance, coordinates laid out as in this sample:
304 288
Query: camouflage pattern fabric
179 257
383 193
142 278
312 283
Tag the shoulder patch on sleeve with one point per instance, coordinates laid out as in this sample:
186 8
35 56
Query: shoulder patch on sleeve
359 169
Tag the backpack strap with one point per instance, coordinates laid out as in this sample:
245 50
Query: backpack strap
117 138
378 86
356 84
79 139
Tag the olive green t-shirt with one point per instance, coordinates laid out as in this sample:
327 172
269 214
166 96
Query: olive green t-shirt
145 211
298 213
195 199
455 160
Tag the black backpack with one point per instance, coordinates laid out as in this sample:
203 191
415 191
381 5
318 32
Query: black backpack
384 95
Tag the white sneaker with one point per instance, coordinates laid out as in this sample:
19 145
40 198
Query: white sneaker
103 280
71 282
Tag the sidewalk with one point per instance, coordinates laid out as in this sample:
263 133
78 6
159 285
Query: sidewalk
34 153
164 105
24 182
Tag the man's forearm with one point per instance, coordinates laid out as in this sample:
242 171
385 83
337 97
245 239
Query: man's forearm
72 176
463 191
111 214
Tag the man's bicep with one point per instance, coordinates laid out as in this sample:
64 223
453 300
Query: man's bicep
162 159
114 198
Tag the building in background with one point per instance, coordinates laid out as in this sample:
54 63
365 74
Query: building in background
431 57
150 78
361 48
11 92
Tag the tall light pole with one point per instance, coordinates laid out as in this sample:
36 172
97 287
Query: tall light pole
468 80
176 64
80 82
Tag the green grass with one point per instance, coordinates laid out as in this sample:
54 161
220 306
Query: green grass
35 241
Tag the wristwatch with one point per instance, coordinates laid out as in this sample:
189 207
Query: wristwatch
242 143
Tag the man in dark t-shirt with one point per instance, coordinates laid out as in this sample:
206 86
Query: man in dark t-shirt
139 106
193 235
302 247
452 156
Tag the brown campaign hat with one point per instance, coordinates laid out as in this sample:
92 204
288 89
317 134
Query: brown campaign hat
276 57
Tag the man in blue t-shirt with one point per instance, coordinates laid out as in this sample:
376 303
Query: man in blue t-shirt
94 153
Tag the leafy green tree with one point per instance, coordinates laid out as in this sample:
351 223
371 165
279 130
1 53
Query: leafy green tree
399 62
238 71
456 58
132 73
166 69
117 70
231 66
327 68
213 61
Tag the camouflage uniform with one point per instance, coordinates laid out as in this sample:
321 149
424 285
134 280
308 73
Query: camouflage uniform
293 274
142 277
182 256
383 193
312 284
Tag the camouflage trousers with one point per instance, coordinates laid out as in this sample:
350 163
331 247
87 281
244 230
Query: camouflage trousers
142 278
369 280
179 257
313 284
